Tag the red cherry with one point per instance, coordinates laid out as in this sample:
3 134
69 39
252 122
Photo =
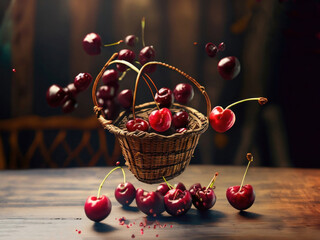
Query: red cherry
211 49
160 120
183 93
180 119
82 81
130 40
97 209
229 67
55 95
125 193
125 98
110 76
164 97
163 188
150 203
127 55
92 44
221 120
177 202
69 105
147 54
242 199
202 198
137 124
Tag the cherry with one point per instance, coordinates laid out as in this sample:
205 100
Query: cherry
180 119
71 90
127 55
229 67
130 40
92 44
164 97
211 49
108 91
183 93
177 202
147 54
111 109
222 120
125 193
69 105
160 120
137 124
203 198
82 81
97 208
163 188
222 46
180 186
150 203
125 98
110 76
55 95
242 197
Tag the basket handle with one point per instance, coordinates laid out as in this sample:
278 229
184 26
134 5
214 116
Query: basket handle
96 107
198 85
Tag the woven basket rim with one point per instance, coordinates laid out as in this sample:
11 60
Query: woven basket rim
111 127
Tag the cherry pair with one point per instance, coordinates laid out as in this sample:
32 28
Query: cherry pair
66 97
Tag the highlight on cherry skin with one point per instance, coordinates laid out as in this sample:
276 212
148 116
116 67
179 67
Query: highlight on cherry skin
242 197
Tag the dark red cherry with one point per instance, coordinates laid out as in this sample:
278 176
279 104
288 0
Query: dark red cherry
71 90
82 81
147 54
130 40
92 44
180 119
108 91
55 95
164 97
137 124
125 193
111 109
177 202
125 98
110 76
69 105
229 67
183 93
211 49
222 46
127 55
150 203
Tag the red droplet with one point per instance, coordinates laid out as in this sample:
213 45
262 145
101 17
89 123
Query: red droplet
171 226
14 70
117 163
154 226
79 232
133 236
157 235
76 230
195 43
127 226
154 215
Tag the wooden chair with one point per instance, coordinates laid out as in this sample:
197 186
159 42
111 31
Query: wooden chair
62 126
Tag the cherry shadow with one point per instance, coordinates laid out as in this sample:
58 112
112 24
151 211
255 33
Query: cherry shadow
195 217
130 208
250 215
102 227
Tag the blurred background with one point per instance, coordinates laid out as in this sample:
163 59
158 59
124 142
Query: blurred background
277 43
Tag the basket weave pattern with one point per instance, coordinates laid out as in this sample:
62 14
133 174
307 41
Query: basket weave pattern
151 156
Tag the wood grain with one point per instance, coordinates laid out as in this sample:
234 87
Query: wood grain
48 204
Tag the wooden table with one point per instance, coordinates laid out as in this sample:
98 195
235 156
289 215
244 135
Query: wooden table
48 204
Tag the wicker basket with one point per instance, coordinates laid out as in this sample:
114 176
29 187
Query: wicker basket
150 156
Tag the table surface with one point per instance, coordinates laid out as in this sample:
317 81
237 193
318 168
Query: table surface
48 204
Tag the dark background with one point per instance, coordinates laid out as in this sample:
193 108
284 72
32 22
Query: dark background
277 43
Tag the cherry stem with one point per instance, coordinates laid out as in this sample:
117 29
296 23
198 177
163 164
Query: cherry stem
112 44
105 178
245 173
143 25
212 181
168 184
124 175
241 101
